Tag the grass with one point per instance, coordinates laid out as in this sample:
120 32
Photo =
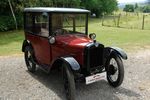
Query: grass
128 39
131 20
11 42
124 38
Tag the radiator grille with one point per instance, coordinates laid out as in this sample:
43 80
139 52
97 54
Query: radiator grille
93 56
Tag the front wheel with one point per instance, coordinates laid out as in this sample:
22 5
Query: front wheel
115 70
69 82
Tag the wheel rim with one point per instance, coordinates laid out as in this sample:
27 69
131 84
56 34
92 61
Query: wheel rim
113 71
66 85
29 60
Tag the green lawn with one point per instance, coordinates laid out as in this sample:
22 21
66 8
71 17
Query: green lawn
11 42
130 21
124 38
128 39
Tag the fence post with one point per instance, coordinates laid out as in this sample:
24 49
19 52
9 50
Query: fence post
103 20
118 20
143 22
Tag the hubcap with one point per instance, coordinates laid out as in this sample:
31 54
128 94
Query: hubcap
113 70
29 57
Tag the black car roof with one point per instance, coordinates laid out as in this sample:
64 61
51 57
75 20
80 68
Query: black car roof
50 9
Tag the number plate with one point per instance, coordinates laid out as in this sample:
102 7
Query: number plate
95 78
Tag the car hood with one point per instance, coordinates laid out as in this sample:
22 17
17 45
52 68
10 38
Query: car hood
73 41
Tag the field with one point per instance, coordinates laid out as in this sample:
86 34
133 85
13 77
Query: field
128 20
120 36
128 39
11 42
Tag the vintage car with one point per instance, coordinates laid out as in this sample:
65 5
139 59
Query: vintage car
58 38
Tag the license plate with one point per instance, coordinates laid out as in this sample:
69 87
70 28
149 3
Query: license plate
95 78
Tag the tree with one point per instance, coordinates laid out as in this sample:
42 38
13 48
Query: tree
66 3
136 6
13 14
100 7
146 9
129 8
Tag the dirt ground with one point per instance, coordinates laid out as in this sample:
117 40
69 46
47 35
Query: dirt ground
16 83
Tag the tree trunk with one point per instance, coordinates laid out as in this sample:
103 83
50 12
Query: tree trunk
13 14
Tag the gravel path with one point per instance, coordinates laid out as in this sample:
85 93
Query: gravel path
16 83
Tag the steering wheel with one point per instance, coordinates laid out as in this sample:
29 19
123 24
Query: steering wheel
60 31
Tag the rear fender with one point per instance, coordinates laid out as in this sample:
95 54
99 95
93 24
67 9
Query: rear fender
119 51
25 43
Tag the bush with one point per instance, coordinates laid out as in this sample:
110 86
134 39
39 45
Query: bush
7 22
129 8
146 9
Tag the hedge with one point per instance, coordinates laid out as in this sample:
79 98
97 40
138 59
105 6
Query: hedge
7 22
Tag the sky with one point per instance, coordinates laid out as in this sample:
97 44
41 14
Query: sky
130 1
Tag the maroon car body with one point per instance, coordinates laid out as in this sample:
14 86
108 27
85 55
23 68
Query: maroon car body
58 38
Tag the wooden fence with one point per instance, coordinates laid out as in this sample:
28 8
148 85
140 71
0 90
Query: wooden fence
127 20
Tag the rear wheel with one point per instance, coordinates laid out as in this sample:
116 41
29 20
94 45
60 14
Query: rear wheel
115 70
69 82
29 59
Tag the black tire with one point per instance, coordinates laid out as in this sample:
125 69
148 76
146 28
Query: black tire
29 59
112 70
69 82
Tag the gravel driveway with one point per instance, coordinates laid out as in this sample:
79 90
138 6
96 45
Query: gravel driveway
16 83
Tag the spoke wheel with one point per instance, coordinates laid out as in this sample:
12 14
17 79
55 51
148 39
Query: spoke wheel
29 60
115 70
69 83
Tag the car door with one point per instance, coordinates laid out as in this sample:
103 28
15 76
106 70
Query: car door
39 38
42 51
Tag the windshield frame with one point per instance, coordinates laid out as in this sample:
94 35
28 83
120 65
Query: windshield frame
50 22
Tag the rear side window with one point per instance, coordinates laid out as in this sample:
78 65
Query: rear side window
29 22
37 23
41 24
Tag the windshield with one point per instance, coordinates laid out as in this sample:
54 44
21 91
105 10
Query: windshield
68 23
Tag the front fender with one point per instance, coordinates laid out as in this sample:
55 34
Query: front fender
74 65
119 51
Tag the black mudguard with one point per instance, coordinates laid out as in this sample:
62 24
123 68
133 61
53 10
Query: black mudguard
119 51
74 65
25 43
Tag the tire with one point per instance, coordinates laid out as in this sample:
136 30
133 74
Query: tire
69 82
29 59
111 70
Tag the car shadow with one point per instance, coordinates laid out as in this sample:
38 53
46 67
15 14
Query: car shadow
96 91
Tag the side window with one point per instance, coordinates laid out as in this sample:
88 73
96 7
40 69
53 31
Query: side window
28 22
57 22
41 24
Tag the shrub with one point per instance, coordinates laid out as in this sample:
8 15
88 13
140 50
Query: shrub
7 22
129 8
146 9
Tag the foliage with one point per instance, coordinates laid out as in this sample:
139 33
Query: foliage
146 9
100 7
66 3
136 6
129 8
7 22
